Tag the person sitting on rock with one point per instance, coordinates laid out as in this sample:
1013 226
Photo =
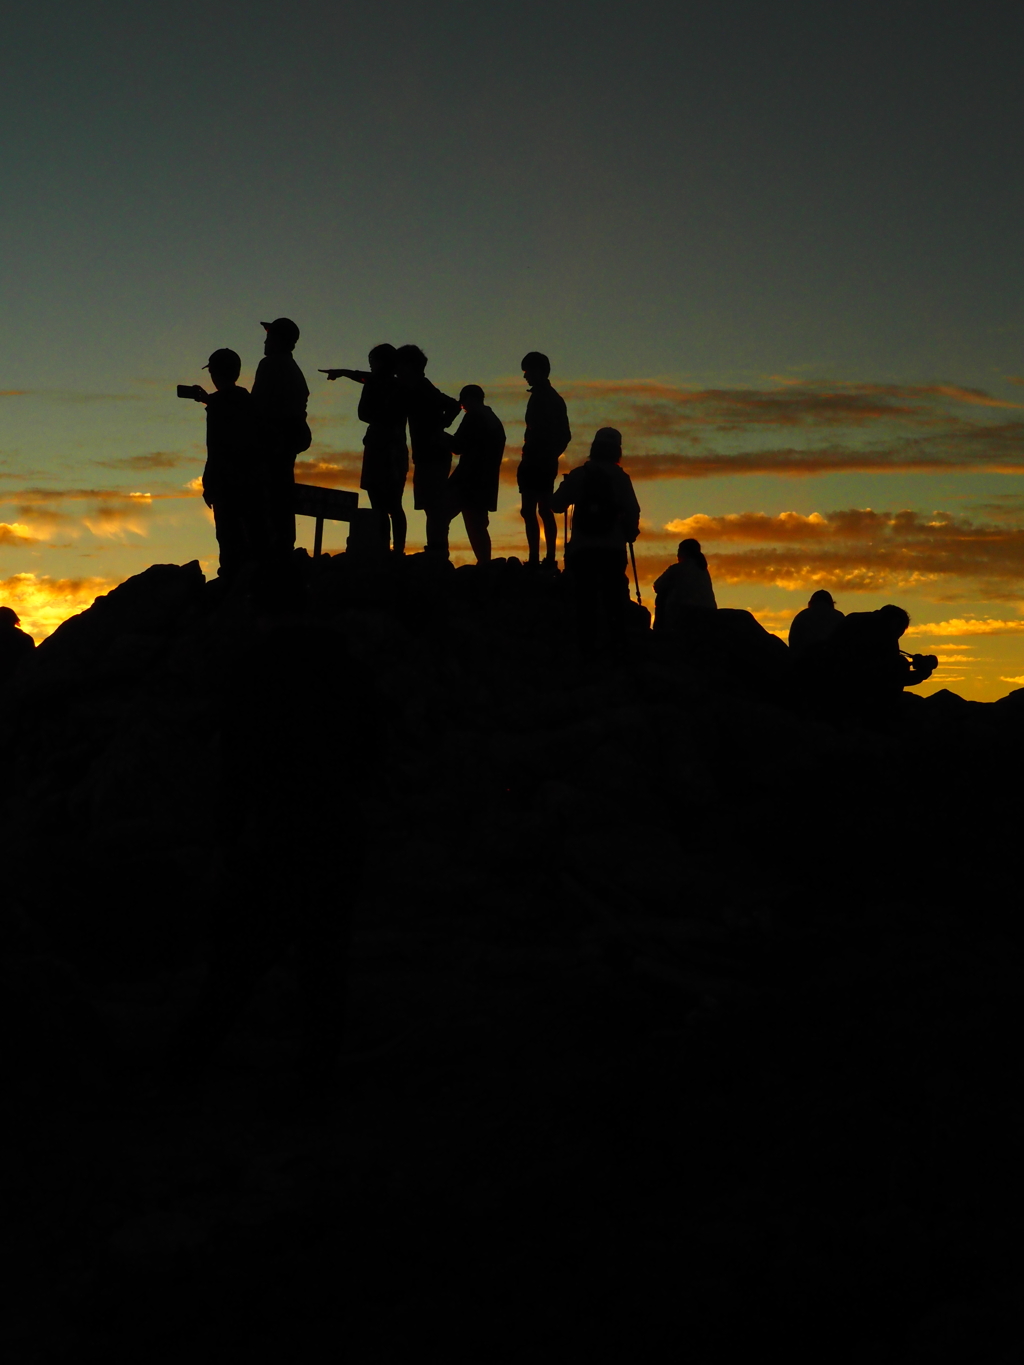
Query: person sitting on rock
868 670
605 519
15 644
684 591
816 624
479 442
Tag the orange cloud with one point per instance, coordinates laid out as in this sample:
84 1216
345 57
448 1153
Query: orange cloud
333 470
43 602
959 625
14 533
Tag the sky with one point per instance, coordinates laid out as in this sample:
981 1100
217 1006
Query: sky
777 245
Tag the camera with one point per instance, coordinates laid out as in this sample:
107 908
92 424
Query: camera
187 390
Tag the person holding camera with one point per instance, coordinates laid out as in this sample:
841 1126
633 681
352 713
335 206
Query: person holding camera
869 670
232 477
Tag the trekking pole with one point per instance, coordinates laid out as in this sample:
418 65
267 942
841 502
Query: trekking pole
565 534
636 581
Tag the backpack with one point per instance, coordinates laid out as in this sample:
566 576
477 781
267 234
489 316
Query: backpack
596 510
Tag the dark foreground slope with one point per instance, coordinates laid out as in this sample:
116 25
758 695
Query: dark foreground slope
681 1027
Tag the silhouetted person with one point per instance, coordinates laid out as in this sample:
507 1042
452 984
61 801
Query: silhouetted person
863 660
232 478
815 625
546 438
385 453
605 519
479 443
684 591
429 412
15 644
279 397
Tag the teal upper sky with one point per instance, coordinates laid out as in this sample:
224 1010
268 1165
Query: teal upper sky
689 190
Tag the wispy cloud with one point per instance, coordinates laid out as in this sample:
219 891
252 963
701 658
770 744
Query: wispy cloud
859 549
157 459
972 625
333 469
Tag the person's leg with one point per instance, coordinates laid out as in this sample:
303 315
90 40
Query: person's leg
229 526
399 525
438 521
381 504
477 522
528 512
550 528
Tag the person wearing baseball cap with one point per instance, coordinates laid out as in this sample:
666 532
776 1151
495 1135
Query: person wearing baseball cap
605 519
279 396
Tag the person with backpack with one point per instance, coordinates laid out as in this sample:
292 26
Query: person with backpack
605 519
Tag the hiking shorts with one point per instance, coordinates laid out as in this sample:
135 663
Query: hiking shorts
536 478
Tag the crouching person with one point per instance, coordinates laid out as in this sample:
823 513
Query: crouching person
605 520
868 670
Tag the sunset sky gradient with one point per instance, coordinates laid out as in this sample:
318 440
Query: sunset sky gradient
777 245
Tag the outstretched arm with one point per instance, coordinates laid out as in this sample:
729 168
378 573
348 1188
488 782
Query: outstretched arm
360 376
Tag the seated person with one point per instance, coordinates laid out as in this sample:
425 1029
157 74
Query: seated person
683 589
15 644
865 659
817 623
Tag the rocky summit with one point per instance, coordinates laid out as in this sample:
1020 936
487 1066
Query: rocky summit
680 1020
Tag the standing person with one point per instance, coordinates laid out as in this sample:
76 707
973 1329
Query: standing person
546 438
279 398
479 443
605 519
684 590
231 477
429 412
385 453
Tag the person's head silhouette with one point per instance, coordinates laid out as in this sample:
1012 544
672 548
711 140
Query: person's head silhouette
689 549
536 368
282 335
410 363
471 396
606 445
9 618
382 359
225 366
821 601
894 619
